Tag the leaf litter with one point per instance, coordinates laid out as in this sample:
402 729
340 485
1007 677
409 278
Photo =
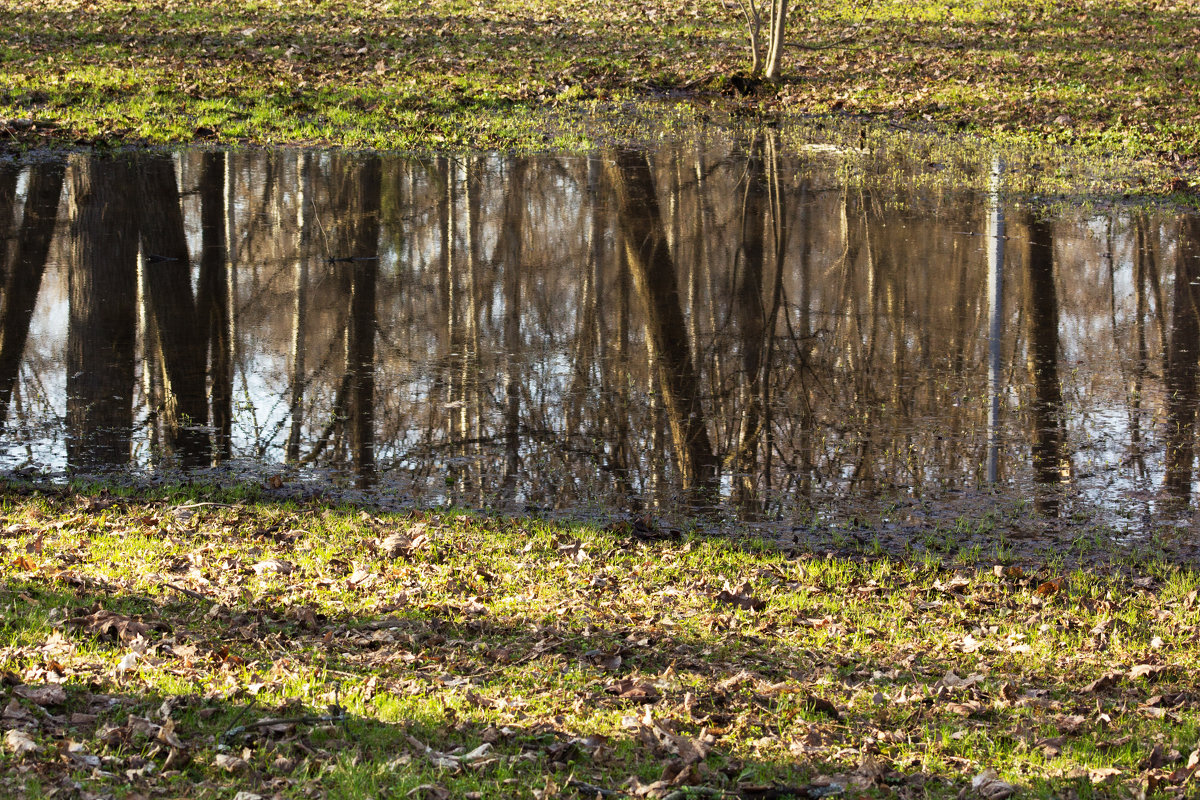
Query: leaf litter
498 657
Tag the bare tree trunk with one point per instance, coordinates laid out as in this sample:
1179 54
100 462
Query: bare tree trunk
472 410
102 326
753 28
774 14
23 278
995 289
1141 365
779 9
782 233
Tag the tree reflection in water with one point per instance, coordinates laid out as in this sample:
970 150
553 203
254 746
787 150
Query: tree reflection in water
713 321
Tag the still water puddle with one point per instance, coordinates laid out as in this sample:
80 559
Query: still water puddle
728 323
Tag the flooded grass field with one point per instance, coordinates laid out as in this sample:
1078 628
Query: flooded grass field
947 426
770 332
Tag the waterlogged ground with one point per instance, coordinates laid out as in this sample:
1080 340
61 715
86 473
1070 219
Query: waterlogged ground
814 338
180 644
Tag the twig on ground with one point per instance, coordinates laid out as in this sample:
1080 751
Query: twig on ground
595 790
270 721
188 592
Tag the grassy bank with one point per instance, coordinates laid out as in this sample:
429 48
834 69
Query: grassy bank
201 646
1114 76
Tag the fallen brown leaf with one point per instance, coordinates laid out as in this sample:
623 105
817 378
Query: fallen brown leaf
988 785
51 695
399 544
110 624
1105 681
231 763
273 566
629 689
1050 587
1148 671
740 596
20 742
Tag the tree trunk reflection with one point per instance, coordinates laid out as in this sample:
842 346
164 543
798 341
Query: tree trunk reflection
1049 460
171 309
23 276
1183 361
749 317
358 194
213 302
653 274
509 255
101 332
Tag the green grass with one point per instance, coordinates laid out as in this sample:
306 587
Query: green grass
741 666
1116 79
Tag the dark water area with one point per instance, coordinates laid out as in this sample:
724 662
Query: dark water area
726 323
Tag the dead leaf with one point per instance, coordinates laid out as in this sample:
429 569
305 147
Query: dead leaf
127 662
964 709
52 695
24 563
273 566
361 578
1050 587
952 681
1051 747
20 742
15 712
629 689
231 763
740 596
166 735
1105 681
1151 671
690 750
399 544
956 585
812 703
477 753
988 785
107 623
606 661
1070 723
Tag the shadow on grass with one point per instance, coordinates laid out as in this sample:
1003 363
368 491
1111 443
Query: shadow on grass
174 694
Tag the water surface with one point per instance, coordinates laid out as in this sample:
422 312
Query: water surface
719 322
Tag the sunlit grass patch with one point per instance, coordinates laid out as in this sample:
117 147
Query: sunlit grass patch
205 640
